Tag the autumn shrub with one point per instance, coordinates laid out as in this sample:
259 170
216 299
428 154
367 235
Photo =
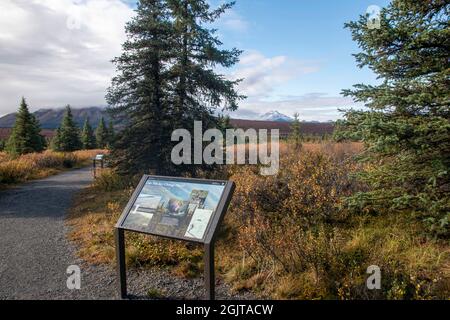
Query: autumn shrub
14 171
307 190
296 234
109 180
3 156
282 220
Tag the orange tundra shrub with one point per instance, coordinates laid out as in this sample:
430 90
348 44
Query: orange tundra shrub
316 184
274 214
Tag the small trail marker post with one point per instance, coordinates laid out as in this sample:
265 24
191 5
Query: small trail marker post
97 158
177 208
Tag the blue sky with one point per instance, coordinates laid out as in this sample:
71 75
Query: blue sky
309 34
297 55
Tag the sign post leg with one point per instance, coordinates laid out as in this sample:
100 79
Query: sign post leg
210 279
121 264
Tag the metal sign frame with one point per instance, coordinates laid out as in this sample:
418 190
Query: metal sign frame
208 239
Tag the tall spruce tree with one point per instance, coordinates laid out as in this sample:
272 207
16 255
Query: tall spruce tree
101 134
67 136
137 94
87 136
166 81
296 135
406 126
196 51
198 91
25 136
111 134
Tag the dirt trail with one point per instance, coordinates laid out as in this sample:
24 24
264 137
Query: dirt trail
34 252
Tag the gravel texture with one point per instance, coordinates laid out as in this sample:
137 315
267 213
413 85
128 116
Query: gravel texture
35 253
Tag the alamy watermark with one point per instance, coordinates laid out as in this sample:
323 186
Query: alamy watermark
74 279
231 149
374 280
373 13
74 19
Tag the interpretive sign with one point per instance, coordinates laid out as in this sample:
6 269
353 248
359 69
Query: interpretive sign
179 208
97 158
174 207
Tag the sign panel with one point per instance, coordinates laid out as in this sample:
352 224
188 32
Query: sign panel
178 208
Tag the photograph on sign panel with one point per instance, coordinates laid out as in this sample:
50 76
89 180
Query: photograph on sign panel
174 208
143 210
198 224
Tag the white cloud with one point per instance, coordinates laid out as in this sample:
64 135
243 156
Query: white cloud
231 20
58 51
263 74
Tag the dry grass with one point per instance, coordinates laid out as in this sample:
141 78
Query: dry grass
3 156
39 165
92 219
338 150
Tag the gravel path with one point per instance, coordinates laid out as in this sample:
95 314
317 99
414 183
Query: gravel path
35 254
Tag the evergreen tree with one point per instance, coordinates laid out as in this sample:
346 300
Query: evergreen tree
25 136
38 140
406 128
67 136
166 81
87 136
102 134
111 134
54 142
296 135
197 90
136 95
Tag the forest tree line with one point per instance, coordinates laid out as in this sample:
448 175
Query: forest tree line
26 134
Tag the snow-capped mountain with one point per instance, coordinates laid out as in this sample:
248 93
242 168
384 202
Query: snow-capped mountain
275 116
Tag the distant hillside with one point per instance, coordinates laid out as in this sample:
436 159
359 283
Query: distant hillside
306 128
51 118
6 132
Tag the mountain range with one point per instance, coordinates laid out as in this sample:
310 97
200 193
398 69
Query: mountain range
51 118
